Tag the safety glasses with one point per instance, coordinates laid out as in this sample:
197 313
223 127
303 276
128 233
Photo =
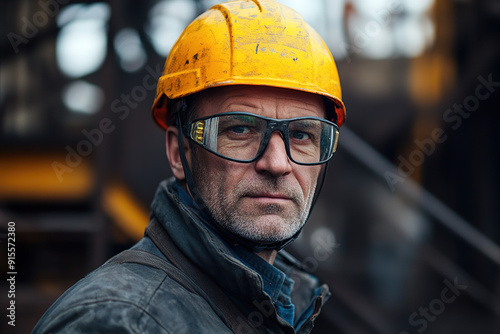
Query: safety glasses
243 137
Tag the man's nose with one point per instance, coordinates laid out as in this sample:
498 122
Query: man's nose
274 160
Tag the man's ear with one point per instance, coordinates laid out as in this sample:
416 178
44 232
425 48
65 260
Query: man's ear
173 153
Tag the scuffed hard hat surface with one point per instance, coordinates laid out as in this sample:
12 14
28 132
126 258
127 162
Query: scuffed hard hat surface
249 43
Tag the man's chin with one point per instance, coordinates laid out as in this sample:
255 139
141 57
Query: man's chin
264 233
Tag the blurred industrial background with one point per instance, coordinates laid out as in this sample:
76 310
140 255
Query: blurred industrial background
407 229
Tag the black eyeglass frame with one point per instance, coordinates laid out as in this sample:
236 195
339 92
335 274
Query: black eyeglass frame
273 124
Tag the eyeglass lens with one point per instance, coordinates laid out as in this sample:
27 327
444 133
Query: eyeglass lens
241 137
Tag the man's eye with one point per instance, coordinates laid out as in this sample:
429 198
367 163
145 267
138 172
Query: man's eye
301 135
240 129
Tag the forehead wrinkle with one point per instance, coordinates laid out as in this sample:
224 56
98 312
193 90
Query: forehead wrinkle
303 106
273 104
253 101
238 99
296 99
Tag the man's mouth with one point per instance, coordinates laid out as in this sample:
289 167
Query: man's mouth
271 197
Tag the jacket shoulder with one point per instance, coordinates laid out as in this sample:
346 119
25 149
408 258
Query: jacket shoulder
131 297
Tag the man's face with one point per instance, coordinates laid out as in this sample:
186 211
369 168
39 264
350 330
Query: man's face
268 199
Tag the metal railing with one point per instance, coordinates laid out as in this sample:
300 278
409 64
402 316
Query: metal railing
373 160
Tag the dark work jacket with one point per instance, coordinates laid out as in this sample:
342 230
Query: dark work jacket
134 298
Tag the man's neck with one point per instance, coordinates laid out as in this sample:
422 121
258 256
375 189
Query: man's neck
268 255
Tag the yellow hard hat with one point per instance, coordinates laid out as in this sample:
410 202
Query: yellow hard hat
248 43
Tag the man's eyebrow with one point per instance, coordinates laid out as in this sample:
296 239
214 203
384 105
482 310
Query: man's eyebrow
245 118
306 124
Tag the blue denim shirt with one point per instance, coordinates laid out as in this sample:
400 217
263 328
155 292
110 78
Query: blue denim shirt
133 298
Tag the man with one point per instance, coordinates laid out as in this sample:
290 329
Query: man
250 100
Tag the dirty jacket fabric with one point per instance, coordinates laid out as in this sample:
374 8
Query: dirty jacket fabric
135 298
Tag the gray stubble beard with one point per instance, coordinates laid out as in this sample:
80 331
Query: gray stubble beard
227 215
